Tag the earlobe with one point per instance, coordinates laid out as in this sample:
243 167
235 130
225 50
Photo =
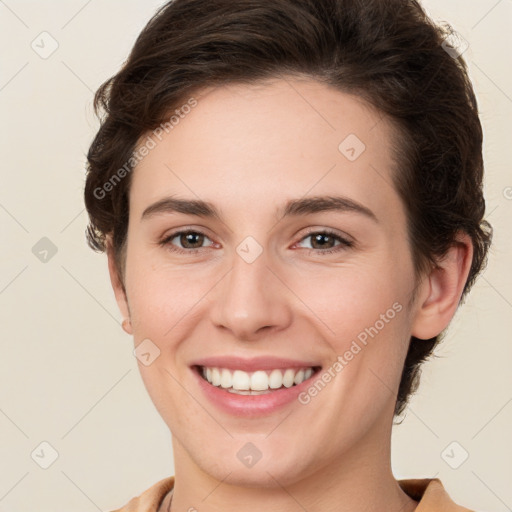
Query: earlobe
442 290
118 287
127 326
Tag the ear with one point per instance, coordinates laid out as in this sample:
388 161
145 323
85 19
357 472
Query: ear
118 287
441 290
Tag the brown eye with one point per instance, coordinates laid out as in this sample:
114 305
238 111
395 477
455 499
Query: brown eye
192 238
324 242
186 241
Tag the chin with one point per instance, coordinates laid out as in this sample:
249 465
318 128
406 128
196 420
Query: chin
267 472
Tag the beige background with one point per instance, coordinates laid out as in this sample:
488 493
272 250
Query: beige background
68 375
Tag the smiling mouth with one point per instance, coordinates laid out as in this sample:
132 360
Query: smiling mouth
259 382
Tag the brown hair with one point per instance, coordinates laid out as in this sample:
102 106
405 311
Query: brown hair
386 51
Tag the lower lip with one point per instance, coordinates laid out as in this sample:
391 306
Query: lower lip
251 405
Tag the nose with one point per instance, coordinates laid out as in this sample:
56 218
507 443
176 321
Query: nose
252 300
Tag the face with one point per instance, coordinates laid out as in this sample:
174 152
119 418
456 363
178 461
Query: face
298 269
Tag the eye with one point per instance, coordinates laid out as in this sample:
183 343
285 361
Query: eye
191 241
323 242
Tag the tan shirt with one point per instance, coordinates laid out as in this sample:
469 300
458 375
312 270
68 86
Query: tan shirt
429 492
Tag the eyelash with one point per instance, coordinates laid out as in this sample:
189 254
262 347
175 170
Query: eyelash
344 243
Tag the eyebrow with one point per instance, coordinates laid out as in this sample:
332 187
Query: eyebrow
294 207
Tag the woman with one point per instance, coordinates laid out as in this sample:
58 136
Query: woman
290 197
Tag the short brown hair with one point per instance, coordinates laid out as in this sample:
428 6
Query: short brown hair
386 51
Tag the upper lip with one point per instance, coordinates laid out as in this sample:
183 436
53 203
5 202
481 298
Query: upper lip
252 364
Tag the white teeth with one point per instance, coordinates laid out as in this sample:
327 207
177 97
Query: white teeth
299 377
259 381
215 379
256 382
241 380
288 377
275 381
226 381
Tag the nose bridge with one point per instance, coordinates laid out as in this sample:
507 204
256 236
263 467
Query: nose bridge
251 297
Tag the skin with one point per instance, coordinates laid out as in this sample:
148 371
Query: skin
248 150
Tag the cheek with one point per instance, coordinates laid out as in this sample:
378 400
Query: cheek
163 298
165 306
362 314
350 298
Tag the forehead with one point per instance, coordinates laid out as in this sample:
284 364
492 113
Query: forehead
260 144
